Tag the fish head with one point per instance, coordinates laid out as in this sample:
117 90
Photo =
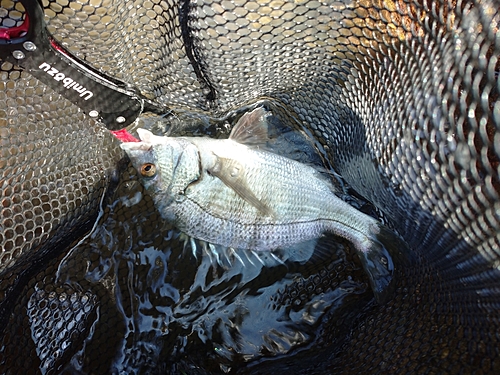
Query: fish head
165 165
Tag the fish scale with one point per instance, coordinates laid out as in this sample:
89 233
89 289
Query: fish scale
271 179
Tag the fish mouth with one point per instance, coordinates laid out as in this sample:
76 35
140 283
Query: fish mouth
145 136
131 143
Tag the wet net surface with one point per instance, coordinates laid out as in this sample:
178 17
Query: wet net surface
401 98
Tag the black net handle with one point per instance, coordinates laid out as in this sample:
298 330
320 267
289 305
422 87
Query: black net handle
30 46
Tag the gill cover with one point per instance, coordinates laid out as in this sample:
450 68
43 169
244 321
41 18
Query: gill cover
175 161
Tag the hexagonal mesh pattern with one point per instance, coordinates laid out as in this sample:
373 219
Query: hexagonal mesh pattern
59 322
43 188
401 96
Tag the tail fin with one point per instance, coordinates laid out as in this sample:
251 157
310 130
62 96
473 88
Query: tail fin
385 251
396 246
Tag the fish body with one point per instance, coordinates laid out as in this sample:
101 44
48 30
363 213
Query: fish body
234 193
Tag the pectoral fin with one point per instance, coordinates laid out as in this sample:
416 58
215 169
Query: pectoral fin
231 173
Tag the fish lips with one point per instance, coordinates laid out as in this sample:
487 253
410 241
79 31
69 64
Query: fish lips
140 152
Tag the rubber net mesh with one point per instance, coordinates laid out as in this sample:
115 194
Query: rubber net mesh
402 98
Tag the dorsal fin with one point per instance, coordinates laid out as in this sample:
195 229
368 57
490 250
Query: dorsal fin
251 128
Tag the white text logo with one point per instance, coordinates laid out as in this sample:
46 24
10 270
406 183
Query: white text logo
67 82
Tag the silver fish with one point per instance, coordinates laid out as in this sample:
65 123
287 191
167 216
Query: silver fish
233 193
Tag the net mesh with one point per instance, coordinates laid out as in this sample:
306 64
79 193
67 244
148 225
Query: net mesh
400 96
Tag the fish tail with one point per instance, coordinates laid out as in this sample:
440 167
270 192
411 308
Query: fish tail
378 257
396 246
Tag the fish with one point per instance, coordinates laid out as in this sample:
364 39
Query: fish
238 194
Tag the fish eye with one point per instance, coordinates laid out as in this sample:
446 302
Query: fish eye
148 170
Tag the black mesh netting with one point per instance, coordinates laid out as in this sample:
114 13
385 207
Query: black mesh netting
399 97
